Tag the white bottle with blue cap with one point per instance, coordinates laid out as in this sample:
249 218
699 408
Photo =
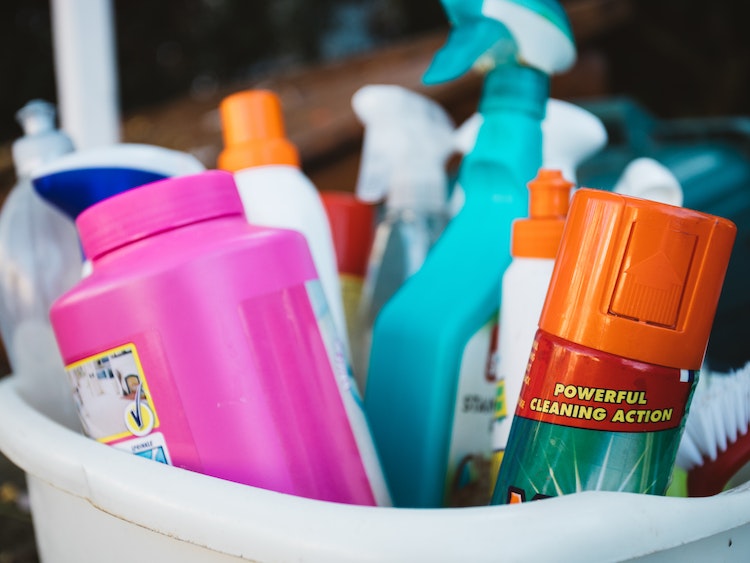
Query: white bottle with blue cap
76 181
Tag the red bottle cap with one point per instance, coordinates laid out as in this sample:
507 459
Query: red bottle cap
353 228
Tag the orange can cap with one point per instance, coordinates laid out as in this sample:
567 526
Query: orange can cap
638 279
539 235
253 131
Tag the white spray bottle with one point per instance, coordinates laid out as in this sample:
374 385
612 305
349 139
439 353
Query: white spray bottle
408 139
648 179
40 259
570 135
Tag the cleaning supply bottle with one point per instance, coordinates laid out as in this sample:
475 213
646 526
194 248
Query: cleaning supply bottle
621 338
276 193
353 228
647 178
273 188
534 244
408 139
79 180
430 395
570 135
204 342
37 247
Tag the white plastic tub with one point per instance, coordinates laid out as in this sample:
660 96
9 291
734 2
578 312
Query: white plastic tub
93 503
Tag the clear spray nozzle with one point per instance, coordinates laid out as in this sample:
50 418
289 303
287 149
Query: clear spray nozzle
408 139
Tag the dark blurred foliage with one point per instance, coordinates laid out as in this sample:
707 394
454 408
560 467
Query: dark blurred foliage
169 48
166 48
26 68
677 57
683 58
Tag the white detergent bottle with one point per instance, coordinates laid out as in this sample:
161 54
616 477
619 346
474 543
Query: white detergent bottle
274 190
276 193
40 257
534 243
408 139
648 179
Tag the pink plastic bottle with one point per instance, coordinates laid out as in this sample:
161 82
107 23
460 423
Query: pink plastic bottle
204 342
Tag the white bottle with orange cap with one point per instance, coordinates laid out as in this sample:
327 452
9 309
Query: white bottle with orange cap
534 244
276 193
273 188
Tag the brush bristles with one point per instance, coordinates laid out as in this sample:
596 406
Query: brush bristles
719 415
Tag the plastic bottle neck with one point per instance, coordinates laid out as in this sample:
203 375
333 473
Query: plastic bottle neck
516 89
508 149
41 142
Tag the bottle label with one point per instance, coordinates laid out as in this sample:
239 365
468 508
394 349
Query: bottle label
500 420
602 395
349 393
589 420
469 458
153 447
351 292
115 404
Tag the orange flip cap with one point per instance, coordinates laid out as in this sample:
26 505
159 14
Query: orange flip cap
539 235
253 130
638 279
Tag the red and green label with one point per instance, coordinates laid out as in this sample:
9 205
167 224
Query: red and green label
588 420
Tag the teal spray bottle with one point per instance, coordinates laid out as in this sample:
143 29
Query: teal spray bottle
430 396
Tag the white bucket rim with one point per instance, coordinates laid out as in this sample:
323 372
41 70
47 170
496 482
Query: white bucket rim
244 521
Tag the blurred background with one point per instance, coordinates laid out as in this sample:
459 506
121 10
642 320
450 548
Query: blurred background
177 59
174 48
678 57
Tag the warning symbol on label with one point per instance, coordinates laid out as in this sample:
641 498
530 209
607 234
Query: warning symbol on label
153 447
155 454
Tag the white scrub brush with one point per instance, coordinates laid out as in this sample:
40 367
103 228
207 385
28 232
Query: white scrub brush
715 447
